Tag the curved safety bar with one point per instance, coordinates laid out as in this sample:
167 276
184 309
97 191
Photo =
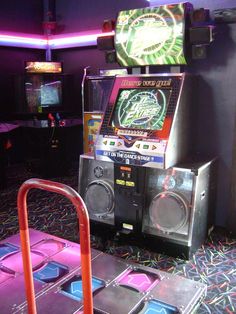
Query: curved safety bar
84 232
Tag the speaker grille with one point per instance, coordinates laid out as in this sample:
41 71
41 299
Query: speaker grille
99 198
168 212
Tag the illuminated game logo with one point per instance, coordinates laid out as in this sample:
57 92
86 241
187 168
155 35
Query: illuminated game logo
151 36
43 67
143 109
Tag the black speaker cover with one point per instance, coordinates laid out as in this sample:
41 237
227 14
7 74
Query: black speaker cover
201 35
168 212
96 187
99 198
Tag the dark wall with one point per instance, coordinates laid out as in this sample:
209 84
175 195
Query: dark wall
21 16
11 64
216 110
76 16
216 104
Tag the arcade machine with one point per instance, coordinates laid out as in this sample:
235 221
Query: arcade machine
95 94
140 181
55 276
43 89
43 104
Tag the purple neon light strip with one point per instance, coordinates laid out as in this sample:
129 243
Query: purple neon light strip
55 42
23 40
162 2
76 40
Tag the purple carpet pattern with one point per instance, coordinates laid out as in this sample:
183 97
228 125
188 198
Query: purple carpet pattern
213 264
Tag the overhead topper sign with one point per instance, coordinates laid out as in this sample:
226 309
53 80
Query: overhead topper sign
43 67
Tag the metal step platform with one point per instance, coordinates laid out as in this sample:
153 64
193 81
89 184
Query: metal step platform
59 284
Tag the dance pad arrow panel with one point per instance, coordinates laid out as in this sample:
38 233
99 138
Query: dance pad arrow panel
51 272
139 280
73 287
6 249
156 307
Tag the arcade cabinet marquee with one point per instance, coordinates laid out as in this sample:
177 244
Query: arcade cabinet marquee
146 122
152 35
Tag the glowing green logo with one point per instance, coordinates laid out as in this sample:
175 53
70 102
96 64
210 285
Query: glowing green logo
141 109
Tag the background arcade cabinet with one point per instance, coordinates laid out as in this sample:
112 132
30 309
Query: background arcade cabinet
43 89
43 106
146 136
96 90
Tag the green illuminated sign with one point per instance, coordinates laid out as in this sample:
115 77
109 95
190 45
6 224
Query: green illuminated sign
151 36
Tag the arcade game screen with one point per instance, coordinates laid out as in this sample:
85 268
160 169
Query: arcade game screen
143 108
151 36
43 92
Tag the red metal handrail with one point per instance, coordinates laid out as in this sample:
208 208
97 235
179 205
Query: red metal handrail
84 232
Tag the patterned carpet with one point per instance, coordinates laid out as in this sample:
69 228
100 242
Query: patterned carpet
214 264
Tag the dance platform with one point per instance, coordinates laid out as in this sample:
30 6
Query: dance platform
119 286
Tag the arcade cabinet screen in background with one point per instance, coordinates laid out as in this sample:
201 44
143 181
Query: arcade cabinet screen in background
143 108
151 36
97 92
43 92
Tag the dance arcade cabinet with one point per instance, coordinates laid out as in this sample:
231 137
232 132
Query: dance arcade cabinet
147 119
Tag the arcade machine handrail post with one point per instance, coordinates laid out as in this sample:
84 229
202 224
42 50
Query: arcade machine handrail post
84 232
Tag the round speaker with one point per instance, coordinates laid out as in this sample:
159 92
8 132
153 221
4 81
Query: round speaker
99 198
168 212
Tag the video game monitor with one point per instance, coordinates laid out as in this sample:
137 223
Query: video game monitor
143 121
